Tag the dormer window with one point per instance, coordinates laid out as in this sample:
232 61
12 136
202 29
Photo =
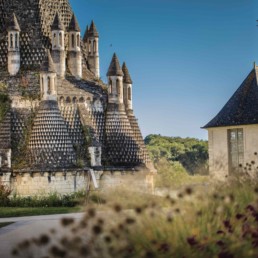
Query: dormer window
73 41
60 39
11 40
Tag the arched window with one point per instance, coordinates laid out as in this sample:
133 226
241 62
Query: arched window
78 40
54 40
110 86
89 46
11 40
48 86
16 40
129 94
68 100
81 100
94 46
60 39
74 100
73 43
117 87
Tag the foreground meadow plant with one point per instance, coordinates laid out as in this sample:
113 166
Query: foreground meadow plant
219 223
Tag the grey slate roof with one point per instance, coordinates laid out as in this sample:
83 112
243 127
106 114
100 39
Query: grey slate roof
93 30
57 23
127 77
114 68
13 24
48 64
74 25
242 107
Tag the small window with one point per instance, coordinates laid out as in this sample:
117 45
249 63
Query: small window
94 46
73 39
48 86
117 87
16 40
60 39
78 40
129 94
89 47
11 40
54 40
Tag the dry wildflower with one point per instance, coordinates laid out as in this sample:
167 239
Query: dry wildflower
255 153
96 229
189 190
239 216
225 255
138 210
67 222
44 240
108 239
180 195
24 245
92 213
130 221
164 248
220 232
192 241
56 251
117 208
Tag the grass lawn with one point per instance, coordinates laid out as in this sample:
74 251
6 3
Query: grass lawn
4 224
8 212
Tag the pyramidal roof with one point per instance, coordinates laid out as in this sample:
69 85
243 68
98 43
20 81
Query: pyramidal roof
48 64
114 68
74 25
93 30
242 107
127 77
13 24
57 23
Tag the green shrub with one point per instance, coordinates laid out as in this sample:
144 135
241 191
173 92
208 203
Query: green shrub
5 193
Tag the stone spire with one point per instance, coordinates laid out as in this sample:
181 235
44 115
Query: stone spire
86 34
48 64
127 77
13 24
57 23
93 30
74 25
114 68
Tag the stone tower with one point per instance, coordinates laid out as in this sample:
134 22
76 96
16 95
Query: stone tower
92 39
58 46
14 58
74 48
127 82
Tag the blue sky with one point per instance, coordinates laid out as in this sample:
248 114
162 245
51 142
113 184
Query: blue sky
186 57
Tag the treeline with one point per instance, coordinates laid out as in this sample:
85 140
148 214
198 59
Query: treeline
191 153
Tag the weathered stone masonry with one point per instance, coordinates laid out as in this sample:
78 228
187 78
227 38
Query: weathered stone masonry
64 124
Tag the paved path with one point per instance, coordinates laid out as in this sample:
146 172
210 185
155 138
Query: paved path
26 228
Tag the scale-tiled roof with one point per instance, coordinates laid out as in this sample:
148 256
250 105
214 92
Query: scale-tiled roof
115 68
13 24
242 107
74 25
57 24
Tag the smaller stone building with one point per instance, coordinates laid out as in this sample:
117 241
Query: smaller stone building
233 132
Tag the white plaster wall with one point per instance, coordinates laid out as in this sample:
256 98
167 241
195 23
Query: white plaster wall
218 148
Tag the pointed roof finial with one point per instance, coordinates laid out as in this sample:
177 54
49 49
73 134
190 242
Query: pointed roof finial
74 25
93 32
86 34
114 68
48 64
57 23
127 77
13 24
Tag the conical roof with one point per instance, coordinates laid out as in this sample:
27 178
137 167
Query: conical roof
57 23
242 107
13 24
74 25
127 77
48 64
86 34
93 30
114 68
50 144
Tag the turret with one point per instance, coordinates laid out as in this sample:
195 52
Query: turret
127 82
74 48
92 39
14 59
48 76
58 46
115 81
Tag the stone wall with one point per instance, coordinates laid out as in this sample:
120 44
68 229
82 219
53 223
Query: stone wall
44 183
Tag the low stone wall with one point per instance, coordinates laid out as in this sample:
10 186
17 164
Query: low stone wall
44 183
